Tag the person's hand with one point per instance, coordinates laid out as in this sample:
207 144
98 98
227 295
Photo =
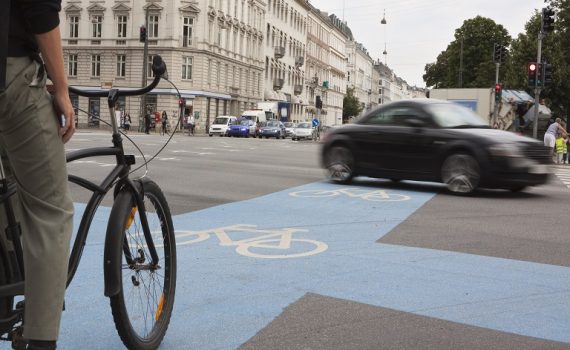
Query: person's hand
63 107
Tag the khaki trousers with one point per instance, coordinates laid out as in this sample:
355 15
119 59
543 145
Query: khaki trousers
36 161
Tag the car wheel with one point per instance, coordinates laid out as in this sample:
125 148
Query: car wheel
461 173
340 164
211 135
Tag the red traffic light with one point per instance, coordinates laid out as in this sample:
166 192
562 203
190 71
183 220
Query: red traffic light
497 87
532 67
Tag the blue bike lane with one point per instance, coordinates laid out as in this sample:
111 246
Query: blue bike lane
228 291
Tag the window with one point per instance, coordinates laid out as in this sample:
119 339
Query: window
395 116
74 26
153 26
121 26
121 65
72 65
95 65
188 23
97 23
149 72
186 67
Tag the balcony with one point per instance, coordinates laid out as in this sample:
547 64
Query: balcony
299 61
298 89
278 83
279 51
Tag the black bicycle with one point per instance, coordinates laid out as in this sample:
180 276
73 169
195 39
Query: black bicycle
140 249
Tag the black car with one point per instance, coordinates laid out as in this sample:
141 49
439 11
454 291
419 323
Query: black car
433 140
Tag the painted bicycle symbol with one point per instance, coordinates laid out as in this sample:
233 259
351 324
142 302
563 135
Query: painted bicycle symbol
365 194
257 243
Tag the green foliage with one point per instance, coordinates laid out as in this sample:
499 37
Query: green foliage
555 50
351 105
477 36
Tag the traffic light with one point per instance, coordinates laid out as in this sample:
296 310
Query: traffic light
498 92
319 102
142 35
547 20
497 53
504 52
532 69
546 73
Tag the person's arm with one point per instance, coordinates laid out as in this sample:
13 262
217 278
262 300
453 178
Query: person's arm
52 54
562 130
42 18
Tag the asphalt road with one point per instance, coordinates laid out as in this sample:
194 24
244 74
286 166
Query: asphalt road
374 265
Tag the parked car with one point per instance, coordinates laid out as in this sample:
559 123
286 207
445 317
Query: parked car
220 125
241 128
433 140
289 126
304 131
273 128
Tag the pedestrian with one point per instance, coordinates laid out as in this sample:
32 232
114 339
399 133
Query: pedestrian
147 123
191 124
127 122
33 130
164 121
560 149
552 133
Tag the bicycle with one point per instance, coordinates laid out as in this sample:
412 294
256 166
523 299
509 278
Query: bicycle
263 240
140 280
373 196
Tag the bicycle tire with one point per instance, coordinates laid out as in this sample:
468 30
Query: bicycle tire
139 283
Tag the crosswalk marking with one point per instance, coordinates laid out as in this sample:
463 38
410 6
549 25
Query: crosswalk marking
563 173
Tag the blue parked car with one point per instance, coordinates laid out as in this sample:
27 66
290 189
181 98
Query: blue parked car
242 128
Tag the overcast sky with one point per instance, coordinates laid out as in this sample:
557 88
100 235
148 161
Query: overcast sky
418 30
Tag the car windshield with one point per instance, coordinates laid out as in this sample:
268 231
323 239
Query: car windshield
244 122
304 125
221 121
450 115
289 125
272 124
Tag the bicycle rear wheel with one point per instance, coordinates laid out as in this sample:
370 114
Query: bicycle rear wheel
142 308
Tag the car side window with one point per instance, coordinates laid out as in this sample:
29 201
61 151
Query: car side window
395 116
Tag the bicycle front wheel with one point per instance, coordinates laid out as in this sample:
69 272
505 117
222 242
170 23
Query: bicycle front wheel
142 308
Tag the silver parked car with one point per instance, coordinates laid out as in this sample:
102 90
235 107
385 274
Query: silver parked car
304 131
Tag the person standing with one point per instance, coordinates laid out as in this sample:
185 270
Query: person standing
147 123
33 130
552 133
191 124
127 122
164 121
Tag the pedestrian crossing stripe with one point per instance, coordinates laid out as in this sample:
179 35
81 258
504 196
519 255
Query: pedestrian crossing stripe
563 174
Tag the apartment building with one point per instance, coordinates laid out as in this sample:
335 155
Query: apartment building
359 71
213 50
326 67
285 47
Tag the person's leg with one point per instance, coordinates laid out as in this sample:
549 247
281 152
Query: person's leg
29 135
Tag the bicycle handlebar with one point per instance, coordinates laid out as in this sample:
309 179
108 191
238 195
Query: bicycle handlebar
158 68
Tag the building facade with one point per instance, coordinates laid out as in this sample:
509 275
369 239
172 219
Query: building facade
284 50
359 72
213 50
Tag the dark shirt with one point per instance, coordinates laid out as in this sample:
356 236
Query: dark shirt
29 17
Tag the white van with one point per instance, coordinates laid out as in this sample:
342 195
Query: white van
221 124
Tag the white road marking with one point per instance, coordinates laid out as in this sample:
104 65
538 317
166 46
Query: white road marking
563 173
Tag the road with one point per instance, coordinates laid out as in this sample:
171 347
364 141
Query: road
373 265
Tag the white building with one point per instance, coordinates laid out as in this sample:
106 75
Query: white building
359 71
213 51
284 55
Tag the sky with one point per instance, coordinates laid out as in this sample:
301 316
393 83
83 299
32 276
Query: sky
418 30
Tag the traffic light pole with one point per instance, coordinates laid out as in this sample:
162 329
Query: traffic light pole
144 73
497 102
537 87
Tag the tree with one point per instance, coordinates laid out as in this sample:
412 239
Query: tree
555 50
350 105
477 36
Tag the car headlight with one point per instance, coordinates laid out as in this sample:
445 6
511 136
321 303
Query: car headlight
508 150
